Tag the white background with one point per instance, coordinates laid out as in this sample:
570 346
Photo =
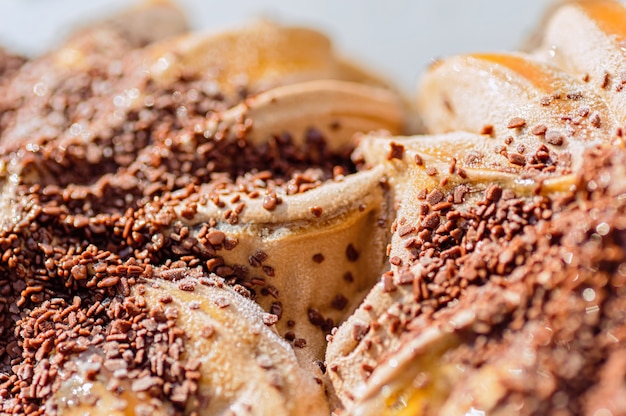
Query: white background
396 38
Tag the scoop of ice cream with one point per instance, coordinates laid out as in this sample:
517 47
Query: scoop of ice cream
447 208
521 103
231 359
499 266
536 319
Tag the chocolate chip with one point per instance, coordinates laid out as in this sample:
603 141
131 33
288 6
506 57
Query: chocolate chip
351 253
316 211
315 317
339 302
396 151
318 258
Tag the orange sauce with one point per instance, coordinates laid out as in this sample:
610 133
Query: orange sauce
533 72
608 15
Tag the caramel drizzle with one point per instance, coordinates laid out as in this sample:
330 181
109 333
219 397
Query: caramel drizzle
533 72
609 16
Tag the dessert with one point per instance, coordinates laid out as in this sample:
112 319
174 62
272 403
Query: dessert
503 294
153 191
232 223
537 334
233 358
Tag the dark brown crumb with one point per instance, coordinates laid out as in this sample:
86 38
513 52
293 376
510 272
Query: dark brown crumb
396 151
318 258
315 317
316 211
487 129
351 253
277 309
339 302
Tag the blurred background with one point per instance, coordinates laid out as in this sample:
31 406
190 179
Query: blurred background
395 38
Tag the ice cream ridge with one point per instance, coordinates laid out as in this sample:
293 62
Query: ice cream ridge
241 222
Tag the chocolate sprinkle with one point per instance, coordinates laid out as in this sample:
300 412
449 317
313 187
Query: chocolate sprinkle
318 258
554 137
396 151
351 253
539 129
516 122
